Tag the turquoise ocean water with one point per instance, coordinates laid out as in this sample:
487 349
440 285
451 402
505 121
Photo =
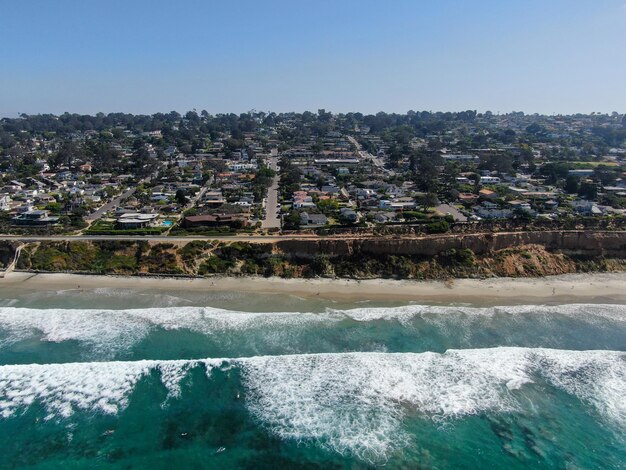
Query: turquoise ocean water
112 378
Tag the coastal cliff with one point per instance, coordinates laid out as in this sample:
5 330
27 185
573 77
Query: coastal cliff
511 254
572 242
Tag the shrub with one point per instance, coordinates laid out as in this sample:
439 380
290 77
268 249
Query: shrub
440 226
215 264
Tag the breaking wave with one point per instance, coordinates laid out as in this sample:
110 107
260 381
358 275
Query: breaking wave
107 331
352 403
111 331
590 312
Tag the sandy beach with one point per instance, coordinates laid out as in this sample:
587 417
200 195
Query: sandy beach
570 288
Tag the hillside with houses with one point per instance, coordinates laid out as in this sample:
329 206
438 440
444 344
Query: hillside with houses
261 173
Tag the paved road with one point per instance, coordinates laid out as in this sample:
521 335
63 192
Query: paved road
272 211
377 161
161 238
258 238
112 204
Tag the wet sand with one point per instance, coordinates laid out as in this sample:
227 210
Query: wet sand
571 288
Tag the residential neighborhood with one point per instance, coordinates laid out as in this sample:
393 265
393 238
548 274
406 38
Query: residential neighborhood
261 173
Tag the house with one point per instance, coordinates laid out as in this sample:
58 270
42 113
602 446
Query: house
586 208
301 199
34 217
348 215
520 205
330 189
488 194
551 205
364 193
135 220
468 198
584 173
218 220
44 199
403 204
214 198
28 207
5 201
517 191
489 180
170 151
313 219
76 191
384 217
490 210
161 196
461 158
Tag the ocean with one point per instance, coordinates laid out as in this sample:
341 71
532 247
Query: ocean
127 378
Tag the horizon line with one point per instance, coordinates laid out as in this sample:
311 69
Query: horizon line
18 114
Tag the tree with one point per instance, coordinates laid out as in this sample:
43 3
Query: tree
427 200
535 128
102 155
292 221
588 190
327 206
605 174
181 198
571 184
68 153
440 226
522 214
554 171
143 163
424 172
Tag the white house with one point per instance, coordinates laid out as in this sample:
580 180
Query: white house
5 201
489 180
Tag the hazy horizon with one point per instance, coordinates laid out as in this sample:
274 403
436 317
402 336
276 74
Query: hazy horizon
560 57
198 110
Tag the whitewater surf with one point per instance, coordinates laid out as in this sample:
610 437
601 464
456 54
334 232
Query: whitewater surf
311 385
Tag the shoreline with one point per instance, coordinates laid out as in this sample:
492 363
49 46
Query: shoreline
567 288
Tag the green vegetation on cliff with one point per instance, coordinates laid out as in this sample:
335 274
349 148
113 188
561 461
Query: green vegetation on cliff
361 261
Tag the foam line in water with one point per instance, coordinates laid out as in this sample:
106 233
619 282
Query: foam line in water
109 331
351 402
612 312
356 402
95 386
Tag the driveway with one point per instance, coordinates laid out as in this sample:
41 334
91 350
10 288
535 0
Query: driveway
453 211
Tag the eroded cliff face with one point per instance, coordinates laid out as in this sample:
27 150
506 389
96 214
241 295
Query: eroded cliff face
571 242
520 254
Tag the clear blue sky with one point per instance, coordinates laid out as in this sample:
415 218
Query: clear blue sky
144 56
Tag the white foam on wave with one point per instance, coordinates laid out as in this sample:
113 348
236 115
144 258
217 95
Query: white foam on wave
594 377
109 331
356 402
406 313
349 402
95 386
